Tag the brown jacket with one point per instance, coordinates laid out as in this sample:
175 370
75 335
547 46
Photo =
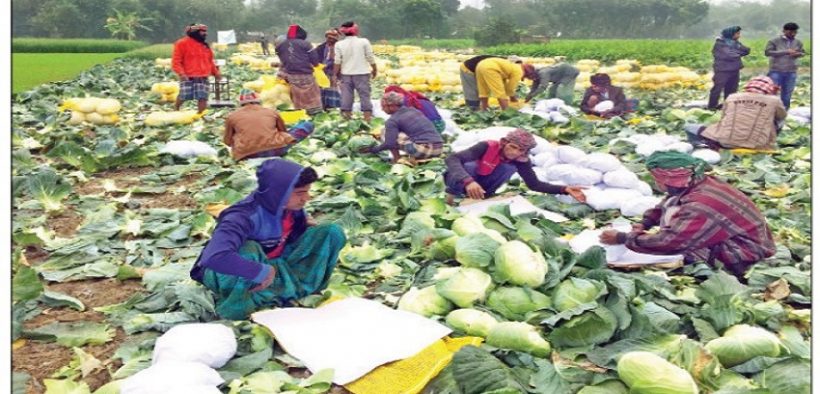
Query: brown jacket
748 121
253 129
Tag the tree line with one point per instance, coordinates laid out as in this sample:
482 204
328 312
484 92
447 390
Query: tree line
498 22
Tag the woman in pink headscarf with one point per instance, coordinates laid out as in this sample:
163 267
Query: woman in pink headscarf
751 119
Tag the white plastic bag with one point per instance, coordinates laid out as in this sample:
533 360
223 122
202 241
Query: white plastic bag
173 377
707 155
803 112
188 149
637 206
573 175
683 147
544 159
644 188
549 105
609 198
210 344
570 154
604 106
603 162
624 179
557 117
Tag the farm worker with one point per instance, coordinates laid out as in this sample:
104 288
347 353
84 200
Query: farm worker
193 62
702 218
468 79
266 251
255 131
499 78
297 61
750 119
480 170
407 130
783 52
727 52
263 42
326 51
421 103
355 66
561 80
600 91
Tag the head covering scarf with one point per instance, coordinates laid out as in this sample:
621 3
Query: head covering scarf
529 71
195 27
247 96
351 30
761 84
522 138
296 32
600 79
393 98
676 169
515 59
727 34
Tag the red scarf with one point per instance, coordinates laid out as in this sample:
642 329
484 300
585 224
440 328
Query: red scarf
491 158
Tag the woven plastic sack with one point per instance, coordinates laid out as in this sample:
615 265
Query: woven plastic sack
623 178
570 154
637 206
609 198
603 162
544 159
173 377
210 344
571 174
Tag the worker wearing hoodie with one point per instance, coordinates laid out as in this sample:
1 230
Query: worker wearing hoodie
265 251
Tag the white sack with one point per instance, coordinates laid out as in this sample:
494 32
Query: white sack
707 155
623 178
637 206
173 377
603 162
210 344
188 149
604 106
609 198
570 154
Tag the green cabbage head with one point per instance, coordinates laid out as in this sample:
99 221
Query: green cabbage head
476 250
515 302
742 343
573 292
647 373
516 263
424 302
465 287
518 336
471 321
467 224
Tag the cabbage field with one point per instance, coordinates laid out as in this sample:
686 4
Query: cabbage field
107 221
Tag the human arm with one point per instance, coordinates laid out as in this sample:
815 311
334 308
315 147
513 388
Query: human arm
214 68
228 137
585 105
313 55
690 228
368 55
742 50
513 79
222 252
455 161
177 61
527 174
391 136
619 102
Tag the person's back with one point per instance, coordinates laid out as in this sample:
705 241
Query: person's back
296 56
355 55
253 129
748 121
412 122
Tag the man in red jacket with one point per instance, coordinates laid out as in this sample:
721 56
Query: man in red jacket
193 61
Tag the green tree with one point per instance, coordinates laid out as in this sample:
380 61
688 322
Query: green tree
422 18
497 31
53 15
125 25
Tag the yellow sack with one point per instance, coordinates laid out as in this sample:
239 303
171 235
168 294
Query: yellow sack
321 78
293 117
412 374
747 151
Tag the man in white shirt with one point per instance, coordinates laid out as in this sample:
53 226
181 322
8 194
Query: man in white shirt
355 66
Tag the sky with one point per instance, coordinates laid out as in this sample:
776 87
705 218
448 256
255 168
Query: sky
480 3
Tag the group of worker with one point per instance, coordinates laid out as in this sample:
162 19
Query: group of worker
267 251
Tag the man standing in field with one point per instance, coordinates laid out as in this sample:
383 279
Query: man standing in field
783 52
193 61
354 65
727 53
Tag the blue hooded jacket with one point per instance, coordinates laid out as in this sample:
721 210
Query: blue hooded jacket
258 217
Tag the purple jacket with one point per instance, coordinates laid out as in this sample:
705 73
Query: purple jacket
258 217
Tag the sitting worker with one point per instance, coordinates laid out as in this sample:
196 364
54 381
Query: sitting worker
469 85
499 78
750 119
421 103
702 218
480 170
599 93
407 130
266 251
255 131
561 81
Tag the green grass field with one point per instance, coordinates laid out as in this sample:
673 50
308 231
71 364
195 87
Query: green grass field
32 69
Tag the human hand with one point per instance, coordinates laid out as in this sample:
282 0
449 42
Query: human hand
310 221
638 228
217 77
513 99
183 78
365 150
609 237
577 192
475 191
265 283
373 73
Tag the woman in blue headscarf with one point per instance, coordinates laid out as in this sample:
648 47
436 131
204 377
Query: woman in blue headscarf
727 52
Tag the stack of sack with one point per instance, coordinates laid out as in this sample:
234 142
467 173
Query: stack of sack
554 110
645 145
184 361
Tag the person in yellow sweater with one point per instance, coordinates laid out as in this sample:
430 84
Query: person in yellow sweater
499 78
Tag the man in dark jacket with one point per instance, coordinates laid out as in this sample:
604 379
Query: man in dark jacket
479 171
783 52
727 53
600 92
407 130
265 250
298 60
